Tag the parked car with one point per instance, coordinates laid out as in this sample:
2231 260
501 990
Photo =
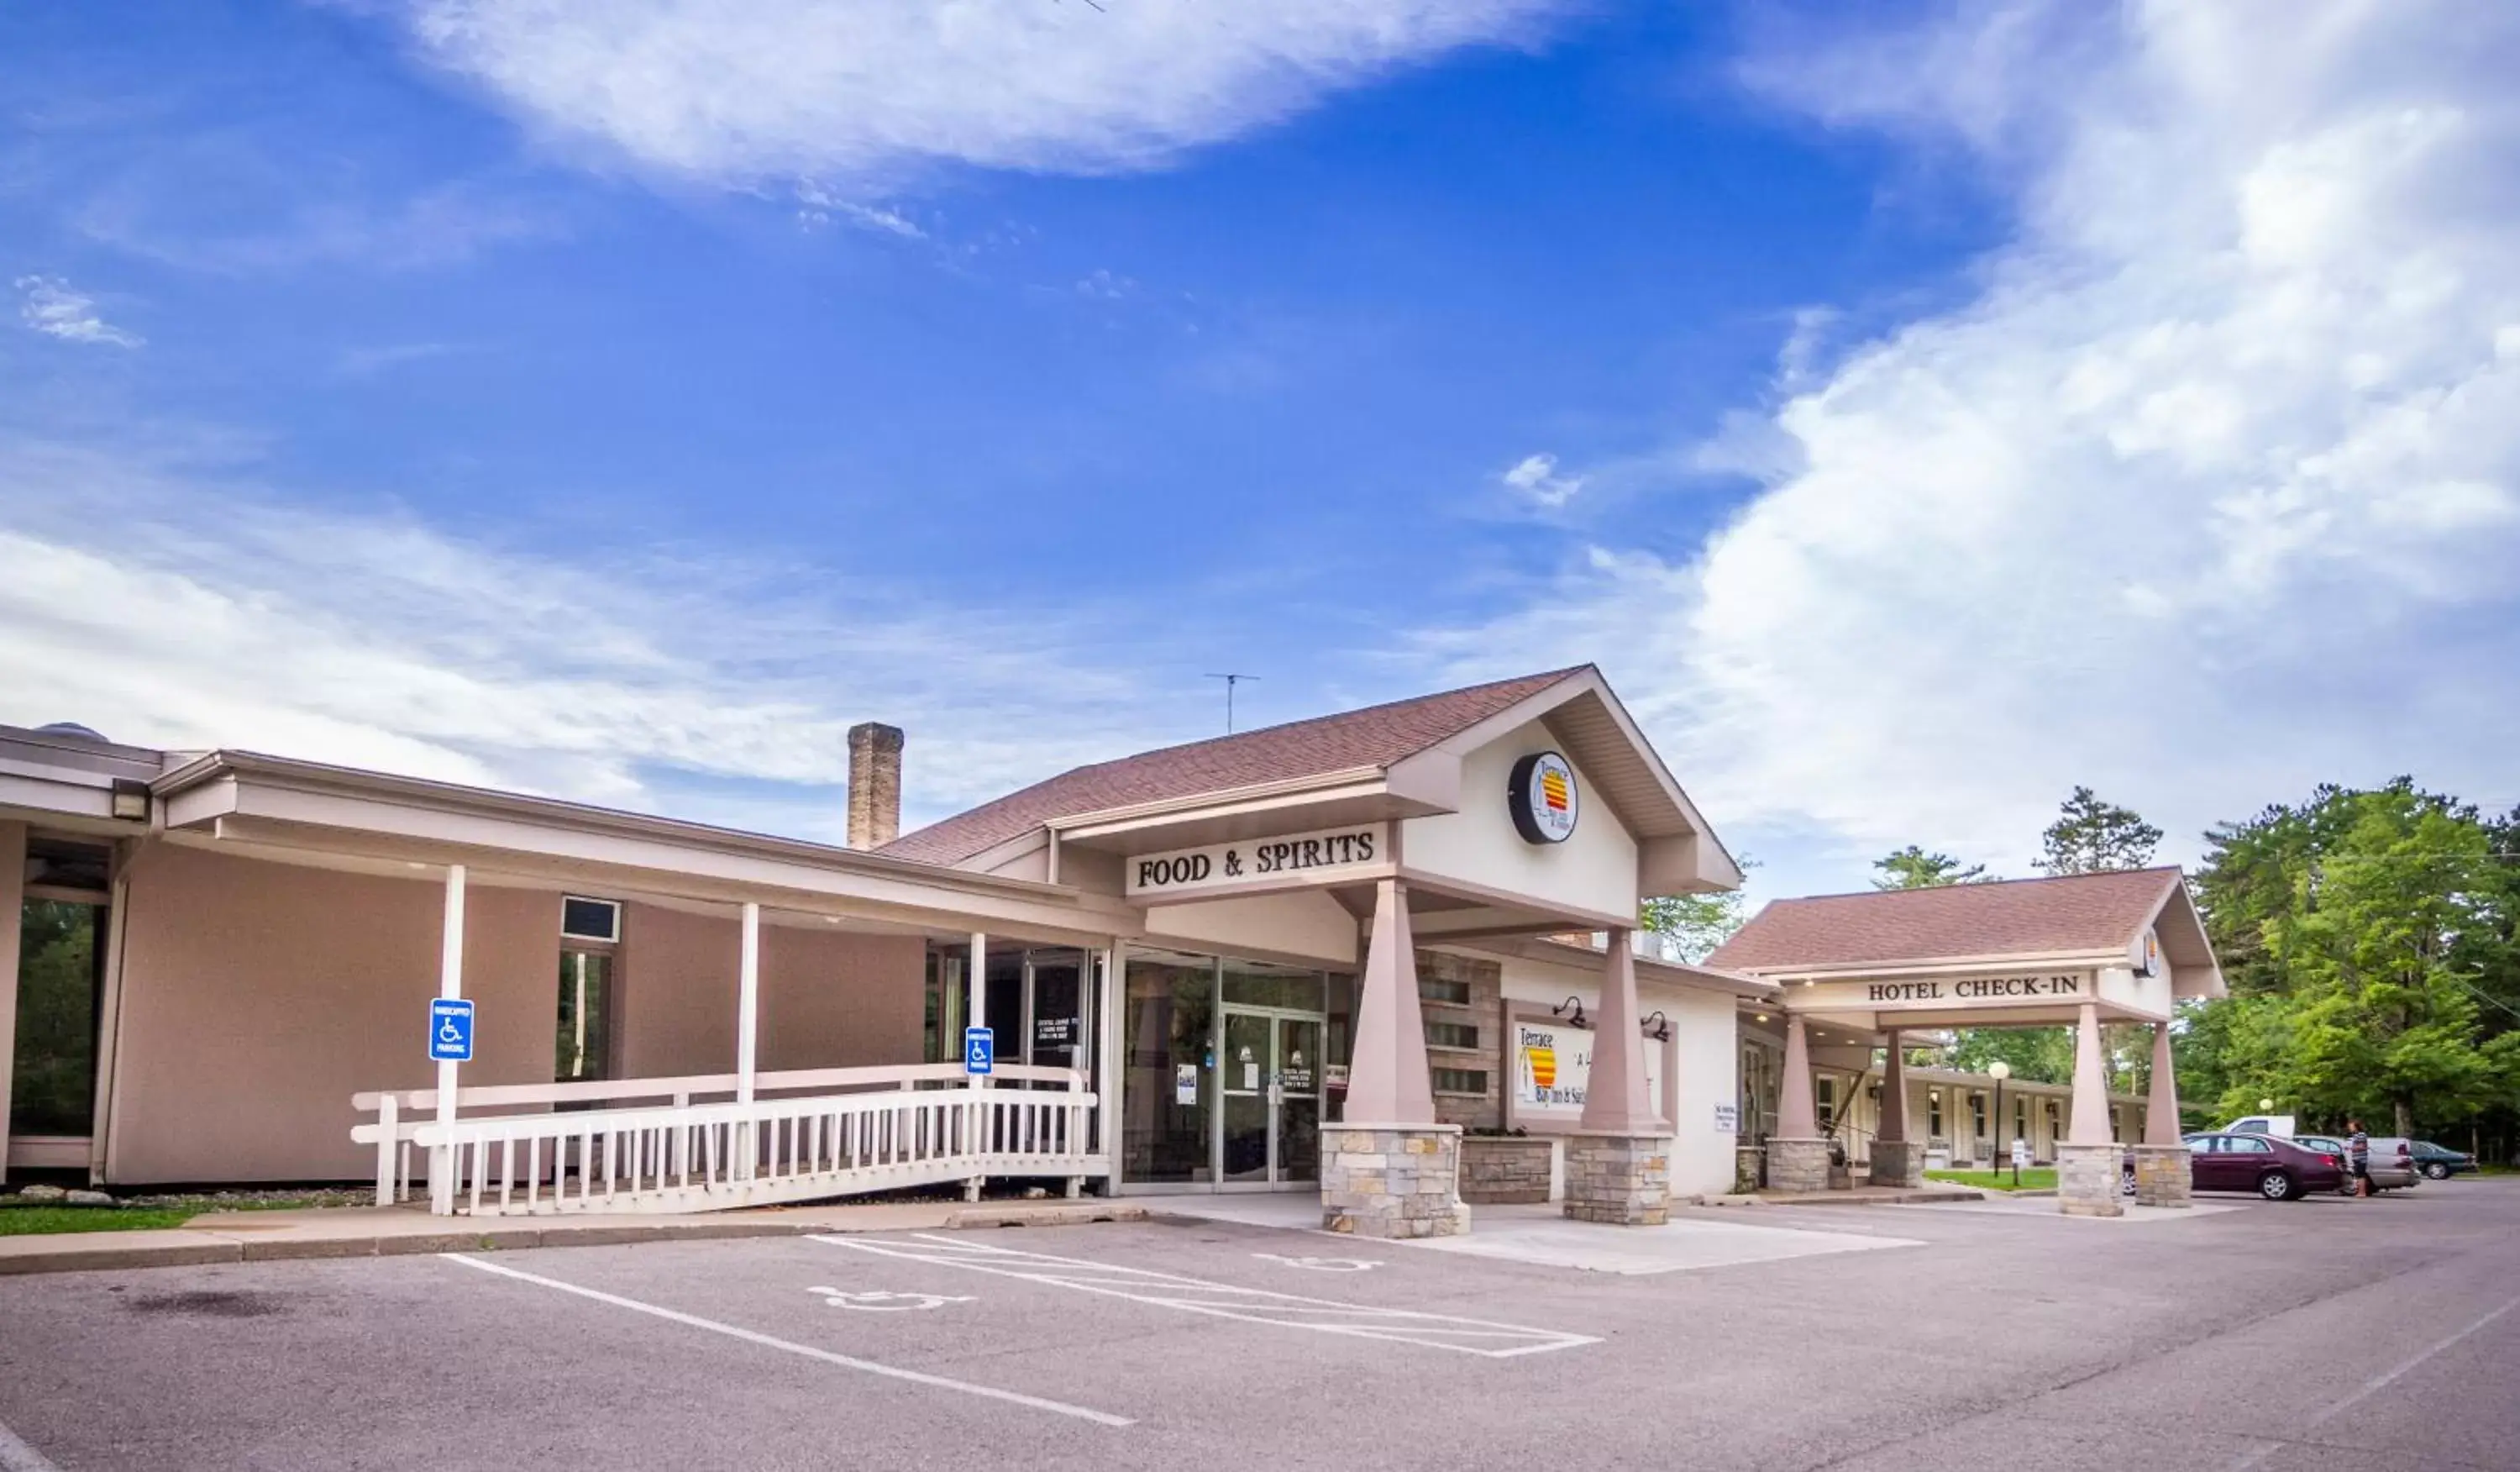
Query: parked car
2441 1163
2277 1169
2393 1166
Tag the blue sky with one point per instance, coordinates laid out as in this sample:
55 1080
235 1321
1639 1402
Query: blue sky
1914 413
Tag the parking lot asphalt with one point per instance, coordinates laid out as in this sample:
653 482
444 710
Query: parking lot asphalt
2317 1335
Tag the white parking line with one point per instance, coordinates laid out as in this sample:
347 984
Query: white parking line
1168 1290
16 1457
844 1362
2370 1388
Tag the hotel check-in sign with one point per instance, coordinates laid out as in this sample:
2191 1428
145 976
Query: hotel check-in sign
2016 988
1292 858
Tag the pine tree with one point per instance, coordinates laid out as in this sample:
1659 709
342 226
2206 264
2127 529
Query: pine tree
2089 836
1913 868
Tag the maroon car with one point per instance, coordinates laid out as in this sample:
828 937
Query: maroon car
2271 1166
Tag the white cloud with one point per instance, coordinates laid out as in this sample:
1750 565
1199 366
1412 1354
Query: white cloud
747 89
2211 493
1536 477
163 599
51 307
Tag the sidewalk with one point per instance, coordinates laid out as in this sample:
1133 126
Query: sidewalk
391 1230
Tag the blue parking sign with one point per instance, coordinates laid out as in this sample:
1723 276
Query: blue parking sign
450 1029
979 1050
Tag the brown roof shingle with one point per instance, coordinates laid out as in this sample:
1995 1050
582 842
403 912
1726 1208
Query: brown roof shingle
1375 736
2013 917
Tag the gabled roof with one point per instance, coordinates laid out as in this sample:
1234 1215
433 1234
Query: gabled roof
2067 914
1376 736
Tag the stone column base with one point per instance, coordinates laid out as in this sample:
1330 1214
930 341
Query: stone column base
1898 1163
1623 1179
2161 1175
1797 1166
1392 1180
1749 1163
2088 1178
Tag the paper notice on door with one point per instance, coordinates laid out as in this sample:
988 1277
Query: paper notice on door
1250 1076
1186 1084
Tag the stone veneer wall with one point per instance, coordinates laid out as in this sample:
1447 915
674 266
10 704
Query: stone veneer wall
1618 1178
1898 1163
1800 1167
1506 1169
1392 1180
2089 1178
1484 1011
2161 1175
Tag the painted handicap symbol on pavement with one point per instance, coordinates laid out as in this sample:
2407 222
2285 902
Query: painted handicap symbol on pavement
1321 1265
877 1301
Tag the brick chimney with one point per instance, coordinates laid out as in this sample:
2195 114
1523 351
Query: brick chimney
875 784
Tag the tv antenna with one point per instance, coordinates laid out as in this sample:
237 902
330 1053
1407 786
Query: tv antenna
1231 681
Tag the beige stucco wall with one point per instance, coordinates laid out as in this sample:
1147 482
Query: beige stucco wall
837 1000
1593 871
257 997
841 1000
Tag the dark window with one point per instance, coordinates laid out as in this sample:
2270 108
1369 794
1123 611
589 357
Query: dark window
61 969
2248 1145
1460 1080
1452 1034
1458 993
590 919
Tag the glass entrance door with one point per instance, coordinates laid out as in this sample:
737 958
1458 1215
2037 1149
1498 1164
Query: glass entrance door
1270 1083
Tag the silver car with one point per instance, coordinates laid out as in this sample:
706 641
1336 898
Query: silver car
2392 1166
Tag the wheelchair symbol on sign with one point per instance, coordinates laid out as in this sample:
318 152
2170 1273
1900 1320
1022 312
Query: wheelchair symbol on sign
880 1302
449 1033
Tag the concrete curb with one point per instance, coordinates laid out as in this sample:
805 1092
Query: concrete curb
196 1246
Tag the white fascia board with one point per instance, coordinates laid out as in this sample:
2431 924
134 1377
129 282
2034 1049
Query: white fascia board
1942 966
1261 797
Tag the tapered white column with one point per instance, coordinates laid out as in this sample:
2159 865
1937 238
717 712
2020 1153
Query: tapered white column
747 1001
2161 1111
1387 1080
1615 1098
2089 1124
450 986
975 998
1797 1113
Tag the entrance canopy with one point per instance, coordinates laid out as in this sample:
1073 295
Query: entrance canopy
1435 793
2019 952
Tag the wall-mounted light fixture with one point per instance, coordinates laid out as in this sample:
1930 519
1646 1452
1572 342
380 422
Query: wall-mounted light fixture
130 800
1576 1004
1657 1027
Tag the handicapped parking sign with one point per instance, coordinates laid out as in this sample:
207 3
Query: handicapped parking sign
979 1050
450 1029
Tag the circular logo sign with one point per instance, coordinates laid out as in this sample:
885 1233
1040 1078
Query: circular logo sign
1542 798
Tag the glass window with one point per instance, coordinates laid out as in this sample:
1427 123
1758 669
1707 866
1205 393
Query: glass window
590 919
581 1052
1171 1056
1460 1080
1456 993
1934 1111
2248 1145
1258 983
1452 1034
60 970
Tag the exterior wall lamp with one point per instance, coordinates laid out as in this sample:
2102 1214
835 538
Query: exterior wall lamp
1576 1004
130 800
1657 1027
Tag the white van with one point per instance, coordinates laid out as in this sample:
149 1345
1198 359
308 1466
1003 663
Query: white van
2261 1123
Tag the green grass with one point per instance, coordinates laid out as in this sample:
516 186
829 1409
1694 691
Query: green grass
25 1220
2035 1178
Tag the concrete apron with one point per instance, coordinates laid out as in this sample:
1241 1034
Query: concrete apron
1392 1180
2088 1181
1623 1179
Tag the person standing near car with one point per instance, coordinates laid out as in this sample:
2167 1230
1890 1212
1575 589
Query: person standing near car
2357 1157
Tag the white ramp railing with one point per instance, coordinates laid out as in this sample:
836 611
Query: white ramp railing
828 1132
